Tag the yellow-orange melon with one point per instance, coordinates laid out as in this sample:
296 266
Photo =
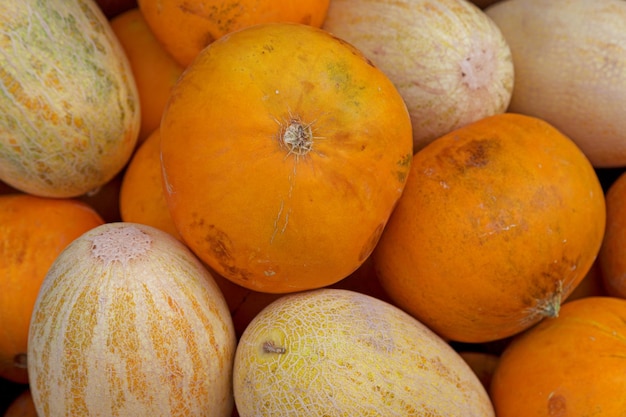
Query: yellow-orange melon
33 232
129 323
334 352
69 106
499 222
283 153
568 366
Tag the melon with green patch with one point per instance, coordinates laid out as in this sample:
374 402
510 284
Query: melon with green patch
69 107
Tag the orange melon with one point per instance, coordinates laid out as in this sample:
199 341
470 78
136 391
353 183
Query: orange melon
33 232
498 223
567 366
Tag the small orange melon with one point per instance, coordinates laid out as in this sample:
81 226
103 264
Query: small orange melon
185 28
568 366
154 70
612 256
141 196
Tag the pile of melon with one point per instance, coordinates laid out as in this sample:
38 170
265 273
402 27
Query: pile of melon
312 208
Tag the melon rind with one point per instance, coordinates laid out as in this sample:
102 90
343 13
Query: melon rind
69 106
129 323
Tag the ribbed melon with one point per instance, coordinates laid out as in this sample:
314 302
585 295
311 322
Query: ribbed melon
448 60
69 107
129 323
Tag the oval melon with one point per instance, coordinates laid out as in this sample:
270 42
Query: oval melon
69 109
129 323
448 60
335 352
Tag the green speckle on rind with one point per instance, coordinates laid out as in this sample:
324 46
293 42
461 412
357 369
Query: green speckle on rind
69 107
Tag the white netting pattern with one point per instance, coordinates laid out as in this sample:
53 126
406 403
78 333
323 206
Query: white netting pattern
120 244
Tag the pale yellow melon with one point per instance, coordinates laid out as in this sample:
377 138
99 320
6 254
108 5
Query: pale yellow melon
335 352
570 69
448 60
129 323
69 108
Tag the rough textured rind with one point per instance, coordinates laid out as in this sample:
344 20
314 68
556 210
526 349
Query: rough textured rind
148 334
69 109
333 352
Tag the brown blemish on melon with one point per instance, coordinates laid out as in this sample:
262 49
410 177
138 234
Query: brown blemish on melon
551 287
478 68
224 16
404 165
476 153
219 244
221 247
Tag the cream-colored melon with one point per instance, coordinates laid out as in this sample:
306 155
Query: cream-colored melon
448 60
129 323
334 352
69 107
570 69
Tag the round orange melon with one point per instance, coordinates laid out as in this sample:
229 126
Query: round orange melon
185 28
284 151
33 232
499 222
568 366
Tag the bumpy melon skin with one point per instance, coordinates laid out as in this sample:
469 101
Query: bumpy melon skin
69 107
129 323
334 352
